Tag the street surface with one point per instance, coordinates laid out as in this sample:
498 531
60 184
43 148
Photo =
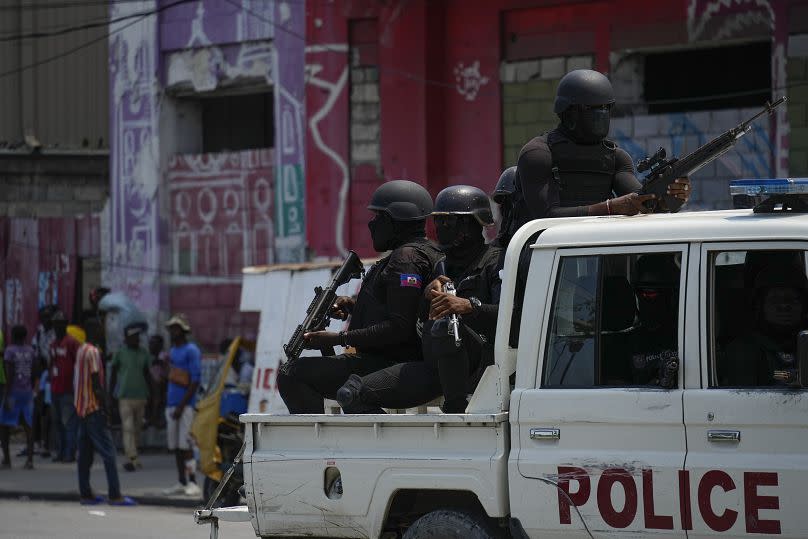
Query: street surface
65 520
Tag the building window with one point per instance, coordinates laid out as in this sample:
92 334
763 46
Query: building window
707 79
237 122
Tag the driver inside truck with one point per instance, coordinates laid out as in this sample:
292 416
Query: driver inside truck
766 356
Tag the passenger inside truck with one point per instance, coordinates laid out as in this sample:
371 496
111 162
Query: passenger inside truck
759 305
615 322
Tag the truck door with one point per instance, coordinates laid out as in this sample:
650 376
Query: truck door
747 426
600 433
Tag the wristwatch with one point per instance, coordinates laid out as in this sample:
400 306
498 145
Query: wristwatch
475 305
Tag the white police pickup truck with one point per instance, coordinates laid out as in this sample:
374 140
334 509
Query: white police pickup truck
656 390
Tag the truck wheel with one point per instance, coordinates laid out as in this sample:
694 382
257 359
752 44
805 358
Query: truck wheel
451 524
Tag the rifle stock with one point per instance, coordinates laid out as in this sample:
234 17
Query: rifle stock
665 171
317 314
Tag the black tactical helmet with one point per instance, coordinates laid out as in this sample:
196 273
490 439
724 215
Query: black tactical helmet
464 200
505 185
657 270
402 200
583 87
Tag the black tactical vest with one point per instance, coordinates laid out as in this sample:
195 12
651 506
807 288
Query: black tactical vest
583 173
372 305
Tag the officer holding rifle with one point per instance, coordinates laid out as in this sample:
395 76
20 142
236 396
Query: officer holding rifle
574 170
383 317
450 366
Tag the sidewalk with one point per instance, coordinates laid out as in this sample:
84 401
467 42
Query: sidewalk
57 481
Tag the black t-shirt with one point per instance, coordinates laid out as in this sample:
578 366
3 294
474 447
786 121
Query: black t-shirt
651 353
541 194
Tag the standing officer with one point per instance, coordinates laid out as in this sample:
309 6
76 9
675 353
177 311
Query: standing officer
460 214
383 316
574 170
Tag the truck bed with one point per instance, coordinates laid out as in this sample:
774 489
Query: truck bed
291 461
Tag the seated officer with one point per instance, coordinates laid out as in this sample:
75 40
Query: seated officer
383 316
460 214
654 343
767 355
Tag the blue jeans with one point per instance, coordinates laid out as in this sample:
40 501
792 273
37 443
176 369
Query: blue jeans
94 436
64 415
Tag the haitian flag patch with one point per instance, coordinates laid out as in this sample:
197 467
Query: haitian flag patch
410 279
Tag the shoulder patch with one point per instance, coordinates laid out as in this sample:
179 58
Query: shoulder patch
411 279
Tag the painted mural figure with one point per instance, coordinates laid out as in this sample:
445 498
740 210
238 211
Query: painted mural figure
574 170
450 367
383 316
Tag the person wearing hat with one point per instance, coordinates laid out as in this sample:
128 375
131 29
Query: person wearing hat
63 352
131 379
183 380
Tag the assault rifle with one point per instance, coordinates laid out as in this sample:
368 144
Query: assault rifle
317 315
664 171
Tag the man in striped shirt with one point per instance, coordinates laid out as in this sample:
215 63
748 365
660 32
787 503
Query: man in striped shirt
93 433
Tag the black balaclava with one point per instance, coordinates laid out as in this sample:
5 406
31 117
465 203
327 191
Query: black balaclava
461 243
586 125
388 234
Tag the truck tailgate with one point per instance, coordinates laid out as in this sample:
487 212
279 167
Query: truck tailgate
290 459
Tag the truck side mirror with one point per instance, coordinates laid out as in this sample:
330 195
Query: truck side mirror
802 358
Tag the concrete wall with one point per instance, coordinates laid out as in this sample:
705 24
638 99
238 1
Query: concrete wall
528 92
53 185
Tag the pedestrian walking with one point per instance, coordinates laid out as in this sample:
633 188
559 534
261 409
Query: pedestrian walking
93 431
18 399
131 376
63 359
183 380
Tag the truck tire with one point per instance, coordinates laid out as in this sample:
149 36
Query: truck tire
452 524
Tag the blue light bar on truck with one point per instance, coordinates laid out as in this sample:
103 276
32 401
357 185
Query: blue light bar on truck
768 187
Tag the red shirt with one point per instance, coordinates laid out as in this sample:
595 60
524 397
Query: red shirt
63 360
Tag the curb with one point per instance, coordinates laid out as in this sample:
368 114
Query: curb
73 497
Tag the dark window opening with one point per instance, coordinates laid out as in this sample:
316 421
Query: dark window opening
707 79
238 122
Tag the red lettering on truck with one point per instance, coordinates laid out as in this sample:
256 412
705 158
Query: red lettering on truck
613 517
711 480
753 502
652 520
579 497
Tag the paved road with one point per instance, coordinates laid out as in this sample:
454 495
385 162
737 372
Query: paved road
63 520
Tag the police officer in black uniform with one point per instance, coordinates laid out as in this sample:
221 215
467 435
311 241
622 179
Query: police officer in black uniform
384 315
654 344
460 214
574 169
502 196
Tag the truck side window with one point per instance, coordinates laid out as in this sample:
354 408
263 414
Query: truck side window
758 305
614 322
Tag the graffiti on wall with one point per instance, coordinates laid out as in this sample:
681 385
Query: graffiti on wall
132 264
222 212
714 20
468 80
290 119
334 89
682 133
233 50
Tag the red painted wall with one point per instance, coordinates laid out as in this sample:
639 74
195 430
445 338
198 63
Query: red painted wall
41 265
